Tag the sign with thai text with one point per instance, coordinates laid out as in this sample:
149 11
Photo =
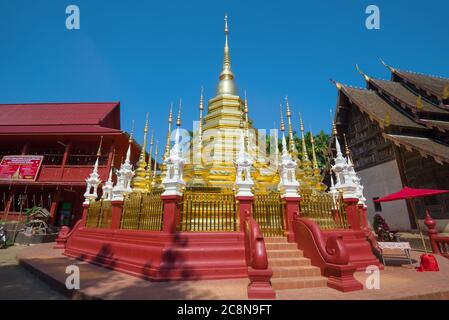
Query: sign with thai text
20 167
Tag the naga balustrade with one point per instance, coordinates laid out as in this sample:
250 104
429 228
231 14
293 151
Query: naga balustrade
259 272
143 211
268 210
208 209
439 244
99 214
328 213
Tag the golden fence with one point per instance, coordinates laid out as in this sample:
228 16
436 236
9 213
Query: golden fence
268 210
99 214
143 211
209 209
324 210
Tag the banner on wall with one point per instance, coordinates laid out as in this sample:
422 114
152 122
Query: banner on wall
20 167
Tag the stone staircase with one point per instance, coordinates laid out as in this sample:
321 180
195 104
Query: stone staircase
291 270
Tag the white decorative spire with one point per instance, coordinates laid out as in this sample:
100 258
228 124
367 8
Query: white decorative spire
243 163
92 183
173 181
124 177
107 188
344 171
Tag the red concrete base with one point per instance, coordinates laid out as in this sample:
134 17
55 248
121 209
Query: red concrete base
162 256
260 286
342 278
359 249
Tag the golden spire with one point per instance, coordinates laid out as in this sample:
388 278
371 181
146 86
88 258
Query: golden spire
282 119
314 160
170 120
245 110
305 156
132 133
201 108
153 182
178 119
291 140
334 126
148 172
226 83
347 151
139 182
99 147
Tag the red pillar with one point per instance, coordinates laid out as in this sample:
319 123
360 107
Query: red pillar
8 203
363 216
291 206
65 159
117 209
54 206
352 213
171 212
245 205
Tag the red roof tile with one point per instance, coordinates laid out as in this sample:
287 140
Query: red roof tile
54 113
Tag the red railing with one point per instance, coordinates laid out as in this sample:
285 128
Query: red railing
259 272
439 244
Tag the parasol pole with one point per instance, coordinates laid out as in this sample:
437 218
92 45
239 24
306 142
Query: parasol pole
412 205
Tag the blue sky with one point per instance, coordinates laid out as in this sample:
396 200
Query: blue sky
146 54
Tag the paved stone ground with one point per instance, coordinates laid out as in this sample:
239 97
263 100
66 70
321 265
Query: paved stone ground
399 280
18 283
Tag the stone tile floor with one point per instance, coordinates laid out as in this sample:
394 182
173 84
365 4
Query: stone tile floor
399 280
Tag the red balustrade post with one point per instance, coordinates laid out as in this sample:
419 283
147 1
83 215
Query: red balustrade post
352 213
245 208
432 231
291 205
171 212
363 216
84 215
117 209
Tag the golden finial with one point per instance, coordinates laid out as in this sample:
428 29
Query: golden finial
178 120
226 84
305 156
347 151
151 149
155 161
419 103
334 126
446 92
200 126
282 119
170 120
291 140
337 84
386 65
312 142
241 121
144 145
362 73
139 182
99 147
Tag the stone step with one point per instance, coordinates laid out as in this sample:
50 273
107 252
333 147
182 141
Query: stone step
298 283
288 262
275 239
284 254
281 246
296 271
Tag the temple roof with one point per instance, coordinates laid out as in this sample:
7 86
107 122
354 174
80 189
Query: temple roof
377 108
435 85
425 146
60 118
404 95
440 125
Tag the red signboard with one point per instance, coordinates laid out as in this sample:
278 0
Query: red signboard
20 167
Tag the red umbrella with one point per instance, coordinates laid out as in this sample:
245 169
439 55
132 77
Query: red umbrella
410 193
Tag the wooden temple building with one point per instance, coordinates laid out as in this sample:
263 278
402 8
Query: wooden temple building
68 137
397 133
